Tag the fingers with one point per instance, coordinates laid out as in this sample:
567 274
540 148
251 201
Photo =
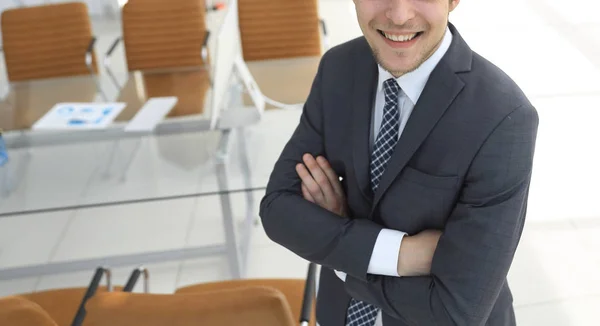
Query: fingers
334 179
320 177
310 184
307 194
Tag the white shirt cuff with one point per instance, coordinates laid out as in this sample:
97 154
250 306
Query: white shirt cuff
384 260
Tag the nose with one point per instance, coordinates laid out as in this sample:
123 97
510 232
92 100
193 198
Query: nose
400 11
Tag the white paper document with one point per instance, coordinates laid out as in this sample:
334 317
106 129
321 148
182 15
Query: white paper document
151 114
79 116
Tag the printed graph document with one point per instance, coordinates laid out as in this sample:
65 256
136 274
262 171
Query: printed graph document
79 116
151 114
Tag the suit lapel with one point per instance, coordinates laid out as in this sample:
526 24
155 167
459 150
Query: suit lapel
442 88
362 106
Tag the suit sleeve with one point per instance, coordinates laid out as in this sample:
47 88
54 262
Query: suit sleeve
306 229
477 247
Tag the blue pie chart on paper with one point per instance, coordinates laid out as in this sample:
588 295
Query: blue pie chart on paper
66 111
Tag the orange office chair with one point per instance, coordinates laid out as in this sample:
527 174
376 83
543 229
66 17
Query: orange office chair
49 41
299 294
239 302
167 43
66 307
279 29
282 43
257 302
18 311
247 306
62 305
254 302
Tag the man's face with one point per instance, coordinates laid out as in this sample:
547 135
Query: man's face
403 33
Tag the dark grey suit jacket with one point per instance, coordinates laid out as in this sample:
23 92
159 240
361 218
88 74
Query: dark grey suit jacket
462 165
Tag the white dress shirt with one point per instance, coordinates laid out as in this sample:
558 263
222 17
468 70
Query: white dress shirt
384 260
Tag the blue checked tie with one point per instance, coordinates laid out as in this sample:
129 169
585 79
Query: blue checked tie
361 313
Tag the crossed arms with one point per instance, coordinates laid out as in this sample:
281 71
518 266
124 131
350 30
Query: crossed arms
321 186
475 250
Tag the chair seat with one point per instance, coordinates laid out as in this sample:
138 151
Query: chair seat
189 86
287 81
29 101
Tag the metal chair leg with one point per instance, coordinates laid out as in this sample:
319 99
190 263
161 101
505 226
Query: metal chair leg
91 291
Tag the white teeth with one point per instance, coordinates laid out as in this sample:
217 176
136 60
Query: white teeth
400 38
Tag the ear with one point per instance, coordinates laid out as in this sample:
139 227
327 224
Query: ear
453 4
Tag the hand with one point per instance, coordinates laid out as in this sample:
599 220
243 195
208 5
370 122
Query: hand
321 185
416 253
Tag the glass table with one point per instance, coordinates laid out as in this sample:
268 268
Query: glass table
182 157
75 170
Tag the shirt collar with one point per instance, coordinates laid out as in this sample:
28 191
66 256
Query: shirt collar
414 82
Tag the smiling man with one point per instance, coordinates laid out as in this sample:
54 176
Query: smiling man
408 175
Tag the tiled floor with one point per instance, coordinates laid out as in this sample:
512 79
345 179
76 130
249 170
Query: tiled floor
550 47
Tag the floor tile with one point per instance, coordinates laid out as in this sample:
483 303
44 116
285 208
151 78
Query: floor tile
275 261
30 239
208 228
126 229
573 13
564 173
577 312
209 269
588 229
159 166
49 177
260 237
552 263
592 33
271 261
545 47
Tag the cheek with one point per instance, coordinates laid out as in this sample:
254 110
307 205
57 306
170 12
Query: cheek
369 11
432 12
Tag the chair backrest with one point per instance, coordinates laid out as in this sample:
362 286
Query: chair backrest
252 306
18 311
292 289
276 29
163 34
60 304
46 41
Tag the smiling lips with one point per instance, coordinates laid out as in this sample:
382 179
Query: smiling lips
397 40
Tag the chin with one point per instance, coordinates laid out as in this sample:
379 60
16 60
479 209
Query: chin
397 67
394 62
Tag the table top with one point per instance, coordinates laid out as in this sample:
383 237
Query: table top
28 101
50 171
191 87
137 170
148 167
284 80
